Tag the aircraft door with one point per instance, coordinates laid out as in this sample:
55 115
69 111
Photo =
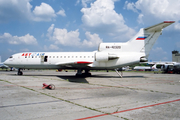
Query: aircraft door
45 58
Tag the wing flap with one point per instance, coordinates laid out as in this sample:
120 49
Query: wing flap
158 27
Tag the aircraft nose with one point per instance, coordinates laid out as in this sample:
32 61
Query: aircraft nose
6 62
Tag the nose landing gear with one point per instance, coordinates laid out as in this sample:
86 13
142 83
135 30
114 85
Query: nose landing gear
19 72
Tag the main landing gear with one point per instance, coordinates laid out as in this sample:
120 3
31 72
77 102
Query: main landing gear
19 72
85 74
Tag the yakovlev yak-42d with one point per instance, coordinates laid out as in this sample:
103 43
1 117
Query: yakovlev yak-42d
108 56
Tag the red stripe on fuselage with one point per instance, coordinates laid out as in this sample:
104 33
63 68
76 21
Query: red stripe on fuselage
83 62
140 38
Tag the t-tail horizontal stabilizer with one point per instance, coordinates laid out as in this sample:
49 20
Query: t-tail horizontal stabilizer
158 27
144 40
152 34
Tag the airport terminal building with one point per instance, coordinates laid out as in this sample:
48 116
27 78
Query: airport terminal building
175 56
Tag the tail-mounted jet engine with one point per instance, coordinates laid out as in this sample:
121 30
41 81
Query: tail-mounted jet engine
143 59
104 56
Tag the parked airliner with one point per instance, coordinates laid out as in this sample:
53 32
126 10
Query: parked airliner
166 66
108 56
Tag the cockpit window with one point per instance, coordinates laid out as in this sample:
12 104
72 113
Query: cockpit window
11 57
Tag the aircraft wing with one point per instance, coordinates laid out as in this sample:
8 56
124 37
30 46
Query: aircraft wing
75 64
158 27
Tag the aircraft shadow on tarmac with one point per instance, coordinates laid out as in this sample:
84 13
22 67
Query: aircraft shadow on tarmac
73 78
103 76
83 79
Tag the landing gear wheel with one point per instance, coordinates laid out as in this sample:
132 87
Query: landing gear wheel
89 74
86 74
20 73
78 75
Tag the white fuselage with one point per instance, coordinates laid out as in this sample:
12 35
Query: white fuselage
67 60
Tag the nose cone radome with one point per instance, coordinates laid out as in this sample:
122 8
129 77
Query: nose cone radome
7 62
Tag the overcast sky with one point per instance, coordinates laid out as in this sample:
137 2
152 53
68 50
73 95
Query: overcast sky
80 25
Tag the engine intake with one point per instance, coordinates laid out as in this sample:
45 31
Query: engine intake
143 59
104 56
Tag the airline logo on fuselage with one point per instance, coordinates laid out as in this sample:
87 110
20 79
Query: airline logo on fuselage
32 54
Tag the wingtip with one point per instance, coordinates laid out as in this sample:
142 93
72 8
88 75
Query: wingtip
169 21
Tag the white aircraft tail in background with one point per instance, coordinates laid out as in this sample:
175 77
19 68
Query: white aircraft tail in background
109 55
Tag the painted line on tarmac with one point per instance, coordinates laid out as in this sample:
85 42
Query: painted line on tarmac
25 104
147 83
56 87
30 104
129 110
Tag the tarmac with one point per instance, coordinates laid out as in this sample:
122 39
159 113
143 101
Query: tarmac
104 96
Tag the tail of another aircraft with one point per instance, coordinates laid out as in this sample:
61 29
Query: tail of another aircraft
142 42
